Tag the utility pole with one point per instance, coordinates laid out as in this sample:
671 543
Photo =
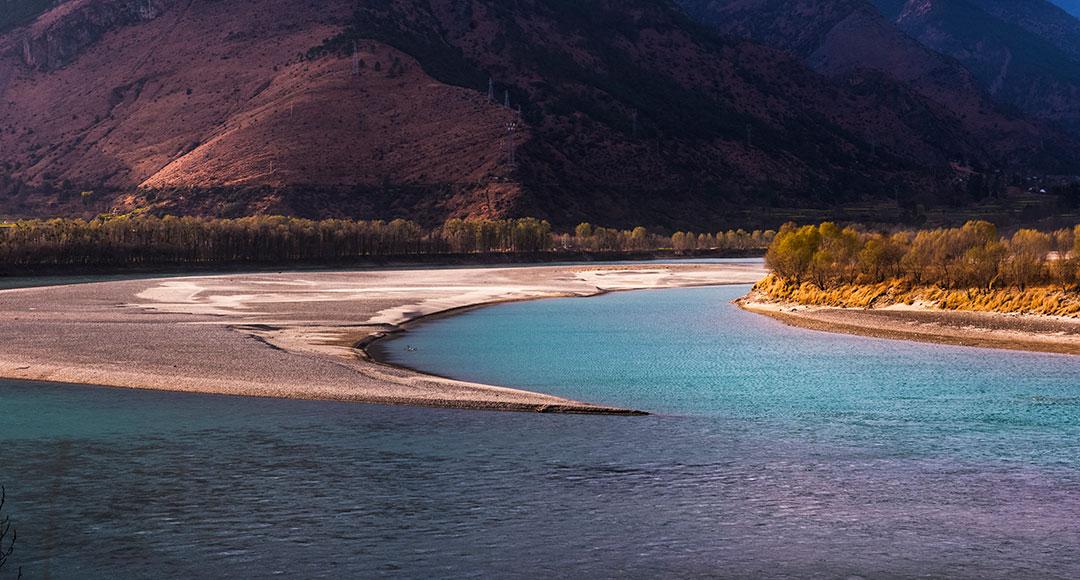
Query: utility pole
491 90
507 98
511 153
355 60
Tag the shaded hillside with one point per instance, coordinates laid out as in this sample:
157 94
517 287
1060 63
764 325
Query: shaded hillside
631 105
16 12
1023 53
1043 19
615 112
1070 6
849 40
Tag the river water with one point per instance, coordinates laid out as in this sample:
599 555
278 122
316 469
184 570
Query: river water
773 452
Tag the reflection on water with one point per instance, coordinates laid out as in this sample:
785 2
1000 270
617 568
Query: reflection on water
777 453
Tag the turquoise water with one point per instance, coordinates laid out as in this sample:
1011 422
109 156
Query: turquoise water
691 353
774 452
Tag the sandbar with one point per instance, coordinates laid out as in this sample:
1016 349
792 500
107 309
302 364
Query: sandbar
297 335
1035 333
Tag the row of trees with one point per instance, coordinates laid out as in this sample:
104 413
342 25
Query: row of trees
145 239
729 240
487 236
972 256
152 240
587 237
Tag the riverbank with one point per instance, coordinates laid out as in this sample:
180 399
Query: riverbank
14 274
1038 333
293 334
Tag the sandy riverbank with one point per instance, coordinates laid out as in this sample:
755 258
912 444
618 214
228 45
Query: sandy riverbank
902 322
293 334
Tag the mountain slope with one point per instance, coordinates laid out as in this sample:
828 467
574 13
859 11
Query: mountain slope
851 41
1042 19
16 12
620 112
201 94
1023 53
629 102
1070 6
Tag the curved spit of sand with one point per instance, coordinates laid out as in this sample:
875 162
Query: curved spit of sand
292 335
1034 333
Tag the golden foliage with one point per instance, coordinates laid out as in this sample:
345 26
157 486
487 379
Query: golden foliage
1041 300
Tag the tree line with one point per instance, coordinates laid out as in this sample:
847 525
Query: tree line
968 257
148 240
587 237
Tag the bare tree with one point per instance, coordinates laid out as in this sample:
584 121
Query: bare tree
5 532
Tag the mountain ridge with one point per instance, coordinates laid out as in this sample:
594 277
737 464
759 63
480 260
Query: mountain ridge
1024 54
619 112
1070 6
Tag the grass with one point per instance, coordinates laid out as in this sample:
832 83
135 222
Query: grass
1037 300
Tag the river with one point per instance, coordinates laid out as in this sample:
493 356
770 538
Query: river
772 452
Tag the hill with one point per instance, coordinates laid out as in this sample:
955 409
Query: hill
1025 54
852 42
1070 6
616 112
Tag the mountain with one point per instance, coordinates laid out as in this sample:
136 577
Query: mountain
1025 54
1070 6
16 12
213 107
620 112
852 42
1045 20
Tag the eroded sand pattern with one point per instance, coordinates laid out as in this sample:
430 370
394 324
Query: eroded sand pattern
292 335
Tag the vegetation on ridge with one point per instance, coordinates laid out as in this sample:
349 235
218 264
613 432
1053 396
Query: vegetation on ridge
966 268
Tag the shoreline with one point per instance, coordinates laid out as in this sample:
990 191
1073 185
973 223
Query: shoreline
369 348
992 330
296 335
404 261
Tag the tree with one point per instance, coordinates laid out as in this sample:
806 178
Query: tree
792 251
968 257
5 531
880 258
924 261
678 241
1064 264
1026 263
835 256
